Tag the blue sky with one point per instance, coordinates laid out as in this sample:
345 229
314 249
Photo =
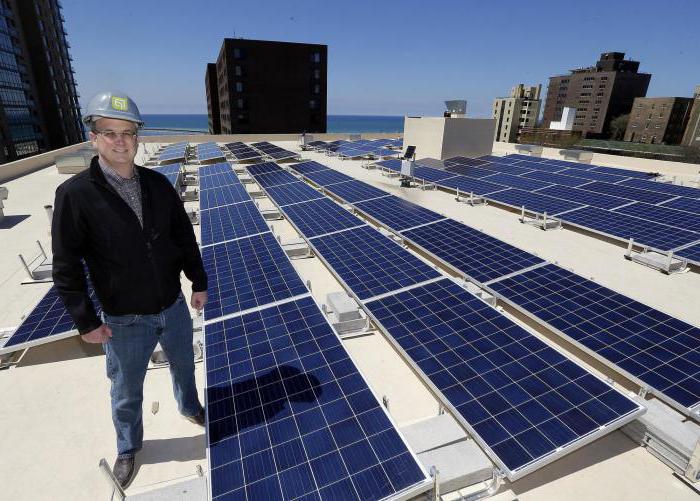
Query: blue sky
384 57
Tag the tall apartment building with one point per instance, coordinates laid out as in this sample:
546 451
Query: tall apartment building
212 86
655 120
39 108
599 93
271 87
513 113
692 130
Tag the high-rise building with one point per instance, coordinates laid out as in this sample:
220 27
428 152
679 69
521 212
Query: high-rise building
39 108
271 87
658 120
212 86
692 130
599 93
521 109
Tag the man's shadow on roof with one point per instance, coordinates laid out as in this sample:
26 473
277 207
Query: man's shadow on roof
273 396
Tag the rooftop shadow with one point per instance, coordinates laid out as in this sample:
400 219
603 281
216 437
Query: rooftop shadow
11 221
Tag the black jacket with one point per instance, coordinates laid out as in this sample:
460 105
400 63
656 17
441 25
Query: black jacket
133 270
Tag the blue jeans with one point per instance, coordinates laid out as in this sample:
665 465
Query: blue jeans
134 337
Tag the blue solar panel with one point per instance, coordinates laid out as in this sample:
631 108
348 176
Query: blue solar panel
169 169
263 168
319 217
370 263
550 177
635 194
465 161
505 168
355 191
528 158
660 351
217 180
308 167
470 185
398 214
392 164
533 202
224 195
476 254
48 321
275 178
219 168
504 160
293 193
541 166
691 253
290 417
248 273
431 174
683 203
209 155
660 214
581 196
670 189
469 170
623 172
327 177
525 402
230 221
592 175
657 236
517 182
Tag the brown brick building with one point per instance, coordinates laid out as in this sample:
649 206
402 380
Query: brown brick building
599 93
270 87
658 120
692 130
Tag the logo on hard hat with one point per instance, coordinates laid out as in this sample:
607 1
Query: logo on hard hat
120 103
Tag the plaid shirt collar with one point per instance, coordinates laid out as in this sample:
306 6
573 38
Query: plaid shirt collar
114 176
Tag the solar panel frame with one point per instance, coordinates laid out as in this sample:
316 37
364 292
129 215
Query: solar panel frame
230 222
248 273
569 319
396 213
46 322
299 403
525 398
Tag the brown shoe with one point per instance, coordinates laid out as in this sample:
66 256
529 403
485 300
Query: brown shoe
124 470
197 418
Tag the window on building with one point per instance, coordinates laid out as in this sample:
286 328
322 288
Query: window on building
239 86
316 57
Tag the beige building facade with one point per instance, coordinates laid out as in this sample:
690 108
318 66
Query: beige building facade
514 113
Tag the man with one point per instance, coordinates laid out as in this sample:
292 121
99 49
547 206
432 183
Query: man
129 227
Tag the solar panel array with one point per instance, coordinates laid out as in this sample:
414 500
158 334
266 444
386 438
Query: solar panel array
659 351
364 148
288 414
571 191
48 321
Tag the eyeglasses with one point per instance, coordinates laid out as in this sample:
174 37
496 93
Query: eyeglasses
112 135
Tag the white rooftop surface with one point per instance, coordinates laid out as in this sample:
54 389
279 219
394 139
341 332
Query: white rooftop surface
55 421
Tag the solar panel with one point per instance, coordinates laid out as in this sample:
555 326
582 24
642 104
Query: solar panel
397 213
48 321
581 196
550 177
356 191
505 168
224 195
219 168
469 170
327 177
517 182
275 178
691 253
525 402
683 203
248 273
624 227
533 202
230 221
392 164
431 174
293 193
476 254
503 160
623 172
318 217
518 156
635 194
209 155
669 189
263 168
370 263
308 167
470 185
290 417
592 175
466 161
664 215
217 180
653 348
541 166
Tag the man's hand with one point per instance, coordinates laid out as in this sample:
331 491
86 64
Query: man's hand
199 299
100 335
